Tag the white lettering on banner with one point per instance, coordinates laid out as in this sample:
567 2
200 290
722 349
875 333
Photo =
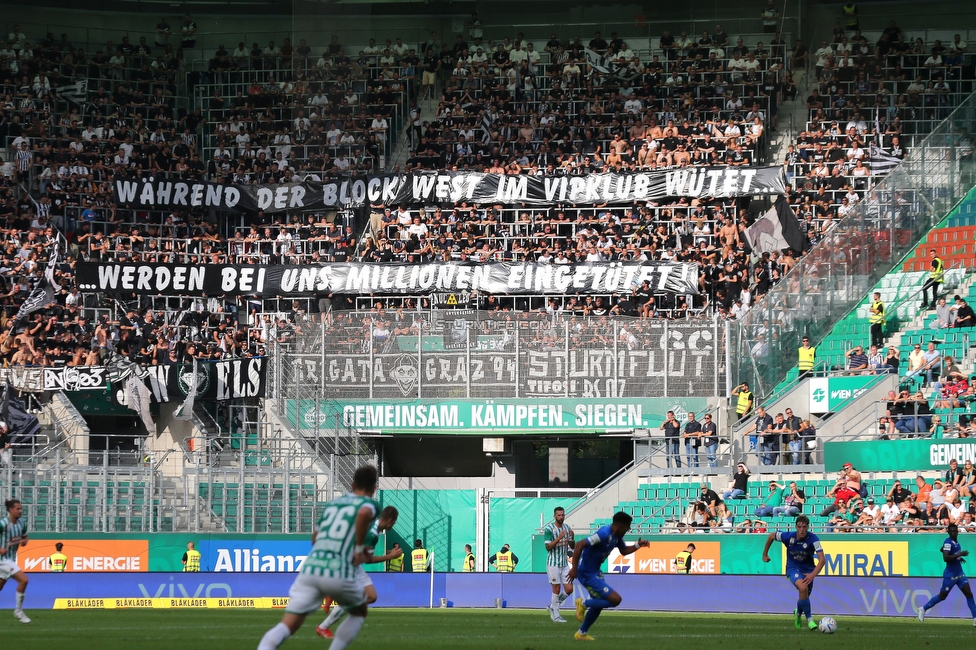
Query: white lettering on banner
880 600
251 561
128 277
202 589
236 379
102 563
517 415
664 565
445 416
365 278
941 454
609 415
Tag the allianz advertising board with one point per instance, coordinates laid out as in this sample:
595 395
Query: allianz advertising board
252 556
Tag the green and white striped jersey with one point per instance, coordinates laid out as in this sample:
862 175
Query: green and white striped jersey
558 554
373 536
10 535
332 553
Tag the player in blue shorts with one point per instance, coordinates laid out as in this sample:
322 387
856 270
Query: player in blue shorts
588 558
953 575
802 547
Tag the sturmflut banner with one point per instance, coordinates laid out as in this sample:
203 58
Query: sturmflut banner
402 279
451 187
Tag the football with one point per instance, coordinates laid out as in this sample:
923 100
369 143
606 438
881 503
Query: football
828 625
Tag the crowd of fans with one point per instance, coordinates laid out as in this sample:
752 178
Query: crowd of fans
75 117
851 507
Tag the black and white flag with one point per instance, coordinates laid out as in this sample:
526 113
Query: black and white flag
21 425
76 92
601 63
882 162
766 235
185 410
137 398
43 293
485 129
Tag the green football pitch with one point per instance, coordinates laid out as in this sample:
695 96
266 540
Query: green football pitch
502 629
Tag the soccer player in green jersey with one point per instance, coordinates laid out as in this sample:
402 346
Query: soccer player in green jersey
559 539
385 522
338 548
13 535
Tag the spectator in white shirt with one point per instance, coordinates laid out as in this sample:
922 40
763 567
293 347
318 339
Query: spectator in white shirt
379 127
517 55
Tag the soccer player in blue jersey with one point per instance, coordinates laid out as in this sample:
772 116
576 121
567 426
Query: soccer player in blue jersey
953 575
802 547
588 558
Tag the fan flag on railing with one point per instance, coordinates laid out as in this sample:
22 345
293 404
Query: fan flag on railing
21 425
882 162
43 293
185 410
776 230
76 92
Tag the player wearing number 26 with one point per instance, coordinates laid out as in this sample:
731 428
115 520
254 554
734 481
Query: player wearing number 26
338 547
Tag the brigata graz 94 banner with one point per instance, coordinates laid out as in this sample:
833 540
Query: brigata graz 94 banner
403 279
452 187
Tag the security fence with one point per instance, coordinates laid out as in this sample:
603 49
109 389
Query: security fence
833 277
469 354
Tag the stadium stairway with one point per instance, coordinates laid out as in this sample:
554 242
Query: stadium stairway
954 240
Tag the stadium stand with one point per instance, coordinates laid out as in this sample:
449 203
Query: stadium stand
75 117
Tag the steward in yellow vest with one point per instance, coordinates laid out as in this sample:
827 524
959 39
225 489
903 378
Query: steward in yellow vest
191 559
682 562
504 560
936 275
395 564
851 22
807 357
468 566
876 317
59 562
744 404
419 557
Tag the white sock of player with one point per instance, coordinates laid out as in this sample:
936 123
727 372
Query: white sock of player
347 632
554 603
562 598
20 600
274 637
334 615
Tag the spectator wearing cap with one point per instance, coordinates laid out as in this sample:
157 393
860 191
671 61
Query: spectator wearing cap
773 500
870 516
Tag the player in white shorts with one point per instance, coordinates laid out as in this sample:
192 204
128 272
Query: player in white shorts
338 548
386 521
13 535
559 539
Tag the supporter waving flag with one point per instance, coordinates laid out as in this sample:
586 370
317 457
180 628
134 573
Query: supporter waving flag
76 92
21 424
43 294
882 162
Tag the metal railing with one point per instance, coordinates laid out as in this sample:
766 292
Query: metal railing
460 354
836 274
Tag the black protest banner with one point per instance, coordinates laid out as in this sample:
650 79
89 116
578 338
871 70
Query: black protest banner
216 380
527 278
451 187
